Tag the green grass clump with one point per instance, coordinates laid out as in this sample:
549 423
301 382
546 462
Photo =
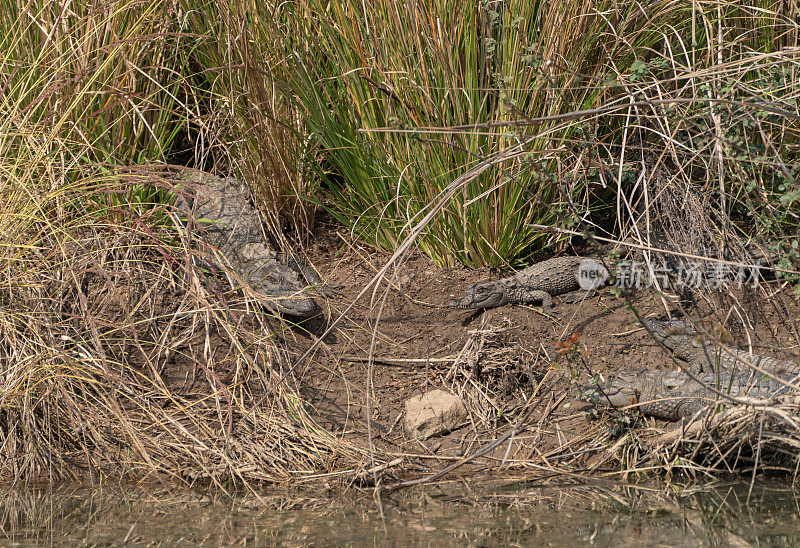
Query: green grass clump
388 102
407 69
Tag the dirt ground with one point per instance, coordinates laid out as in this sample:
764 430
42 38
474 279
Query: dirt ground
496 359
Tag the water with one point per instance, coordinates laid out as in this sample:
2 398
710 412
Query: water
512 516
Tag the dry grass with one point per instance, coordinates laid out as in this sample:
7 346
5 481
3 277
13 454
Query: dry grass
121 358
521 431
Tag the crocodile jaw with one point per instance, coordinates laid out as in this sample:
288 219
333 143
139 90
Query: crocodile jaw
292 304
669 332
482 295
622 390
618 395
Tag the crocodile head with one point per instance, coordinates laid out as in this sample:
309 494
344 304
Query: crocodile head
669 332
292 304
622 390
482 295
282 289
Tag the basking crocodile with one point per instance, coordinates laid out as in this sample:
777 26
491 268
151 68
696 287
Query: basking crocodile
711 356
672 395
538 282
232 226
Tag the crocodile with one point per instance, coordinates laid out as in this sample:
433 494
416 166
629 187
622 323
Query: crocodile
537 283
673 395
232 227
711 356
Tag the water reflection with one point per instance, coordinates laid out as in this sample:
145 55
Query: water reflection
557 517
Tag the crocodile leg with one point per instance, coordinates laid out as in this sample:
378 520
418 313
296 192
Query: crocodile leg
535 296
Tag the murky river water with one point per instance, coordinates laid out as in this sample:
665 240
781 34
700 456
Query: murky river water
512 516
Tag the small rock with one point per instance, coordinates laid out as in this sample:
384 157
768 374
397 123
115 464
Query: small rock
433 414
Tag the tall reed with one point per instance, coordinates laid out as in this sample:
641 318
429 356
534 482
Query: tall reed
368 95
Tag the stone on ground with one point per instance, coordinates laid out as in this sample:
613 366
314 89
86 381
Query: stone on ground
434 414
